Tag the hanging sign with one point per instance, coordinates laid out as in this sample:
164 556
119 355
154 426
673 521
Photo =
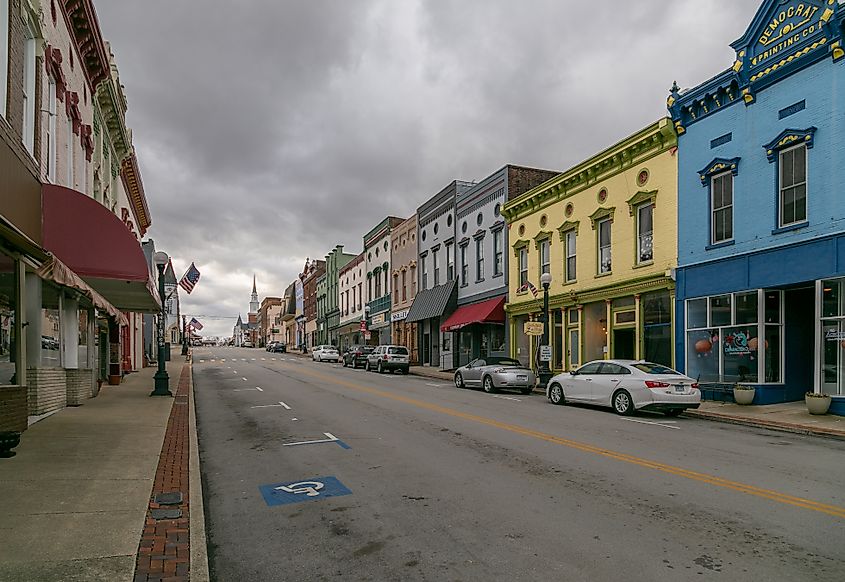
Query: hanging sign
533 328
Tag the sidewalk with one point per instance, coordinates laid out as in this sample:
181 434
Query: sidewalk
75 497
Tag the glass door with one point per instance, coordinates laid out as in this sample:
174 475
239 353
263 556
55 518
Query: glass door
833 346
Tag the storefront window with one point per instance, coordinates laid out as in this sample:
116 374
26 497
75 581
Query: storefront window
8 303
558 340
657 328
574 349
498 334
83 338
724 344
833 338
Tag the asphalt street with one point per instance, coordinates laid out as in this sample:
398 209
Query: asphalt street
439 483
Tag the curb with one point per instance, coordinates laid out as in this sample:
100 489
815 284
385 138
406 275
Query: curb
768 424
199 543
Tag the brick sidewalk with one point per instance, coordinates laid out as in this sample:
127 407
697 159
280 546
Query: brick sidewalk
164 552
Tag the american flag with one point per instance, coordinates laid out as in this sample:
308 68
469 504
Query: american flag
195 324
528 286
190 279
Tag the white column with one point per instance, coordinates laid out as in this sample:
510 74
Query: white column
33 321
69 329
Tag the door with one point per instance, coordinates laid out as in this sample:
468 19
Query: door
473 372
624 341
579 386
426 348
606 382
833 371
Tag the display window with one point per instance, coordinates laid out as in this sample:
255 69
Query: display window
833 337
736 337
8 311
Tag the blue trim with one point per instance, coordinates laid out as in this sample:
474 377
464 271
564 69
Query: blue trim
717 166
789 138
791 227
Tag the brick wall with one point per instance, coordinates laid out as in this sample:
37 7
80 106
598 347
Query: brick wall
79 384
13 411
47 390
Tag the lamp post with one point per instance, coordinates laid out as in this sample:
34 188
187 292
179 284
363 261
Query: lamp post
544 372
162 380
364 325
184 336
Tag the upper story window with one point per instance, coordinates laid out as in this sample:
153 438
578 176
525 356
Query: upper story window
793 186
71 176
450 263
4 62
479 259
545 261
523 267
404 285
498 254
721 207
569 252
604 237
464 266
30 103
424 273
645 233
396 288
50 136
436 268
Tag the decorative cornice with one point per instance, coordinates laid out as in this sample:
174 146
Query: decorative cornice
788 138
135 189
81 19
625 155
567 226
639 198
519 245
717 166
601 214
479 234
543 235
114 118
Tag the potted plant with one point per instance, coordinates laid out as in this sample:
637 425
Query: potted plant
817 403
743 394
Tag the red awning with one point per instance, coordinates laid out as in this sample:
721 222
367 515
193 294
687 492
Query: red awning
97 246
490 311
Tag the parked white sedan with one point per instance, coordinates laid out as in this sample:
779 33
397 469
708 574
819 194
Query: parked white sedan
325 354
626 386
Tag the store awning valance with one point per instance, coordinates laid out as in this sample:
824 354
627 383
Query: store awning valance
434 302
490 311
96 245
56 271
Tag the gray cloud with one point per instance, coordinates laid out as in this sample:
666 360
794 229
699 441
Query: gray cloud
268 131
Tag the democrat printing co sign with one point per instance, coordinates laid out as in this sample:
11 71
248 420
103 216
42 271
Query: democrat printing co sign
786 29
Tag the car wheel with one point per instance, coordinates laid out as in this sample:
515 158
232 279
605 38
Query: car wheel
674 412
488 385
527 391
556 394
622 403
354 365
380 369
459 381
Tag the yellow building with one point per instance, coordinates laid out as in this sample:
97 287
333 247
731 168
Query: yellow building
606 231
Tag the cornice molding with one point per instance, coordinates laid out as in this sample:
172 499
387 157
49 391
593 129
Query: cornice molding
789 138
567 226
601 214
81 20
641 197
131 175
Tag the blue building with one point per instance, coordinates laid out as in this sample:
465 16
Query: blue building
761 225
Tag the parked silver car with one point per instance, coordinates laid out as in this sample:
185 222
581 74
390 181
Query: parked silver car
626 386
494 373
325 354
388 358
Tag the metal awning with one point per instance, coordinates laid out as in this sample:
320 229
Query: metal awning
56 271
434 302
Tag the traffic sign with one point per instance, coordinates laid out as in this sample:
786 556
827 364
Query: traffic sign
545 353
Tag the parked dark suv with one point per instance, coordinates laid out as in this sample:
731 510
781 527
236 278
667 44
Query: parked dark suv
356 355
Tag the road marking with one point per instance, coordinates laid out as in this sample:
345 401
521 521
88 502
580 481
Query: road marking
294 419
259 389
651 423
297 492
253 359
274 359
242 378
436 385
245 389
223 360
507 398
331 439
203 361
263 359
784 498
285 405
243 359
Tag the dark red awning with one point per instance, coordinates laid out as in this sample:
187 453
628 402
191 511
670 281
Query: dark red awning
490 311
97 246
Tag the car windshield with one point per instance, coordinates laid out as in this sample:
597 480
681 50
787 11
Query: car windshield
504 362
366 349
650 368
400 350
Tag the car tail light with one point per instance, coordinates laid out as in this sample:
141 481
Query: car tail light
653 384
358 353
694 386
384 357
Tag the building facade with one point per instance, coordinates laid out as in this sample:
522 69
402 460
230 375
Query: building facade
437 294
606 232
403 259
351 286
761 275
377 264
310 275
268 311
478 324
330 306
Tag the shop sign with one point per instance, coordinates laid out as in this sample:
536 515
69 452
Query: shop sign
363 325
545 353
368 336
378 319
834 336
736 344
400 315
534 328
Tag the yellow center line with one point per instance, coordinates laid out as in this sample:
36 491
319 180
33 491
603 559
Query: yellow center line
834 510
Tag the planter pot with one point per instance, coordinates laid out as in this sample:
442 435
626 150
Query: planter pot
8 441
114 379
743 396
817 405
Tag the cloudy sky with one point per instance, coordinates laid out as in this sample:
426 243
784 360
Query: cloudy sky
270 130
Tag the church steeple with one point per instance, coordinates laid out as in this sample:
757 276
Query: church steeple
253 304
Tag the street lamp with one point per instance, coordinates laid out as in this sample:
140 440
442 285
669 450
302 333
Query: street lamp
184 336
544 372
162 380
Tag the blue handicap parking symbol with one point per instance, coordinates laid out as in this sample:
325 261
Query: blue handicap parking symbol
306 490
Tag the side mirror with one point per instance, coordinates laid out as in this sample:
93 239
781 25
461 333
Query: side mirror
573 373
